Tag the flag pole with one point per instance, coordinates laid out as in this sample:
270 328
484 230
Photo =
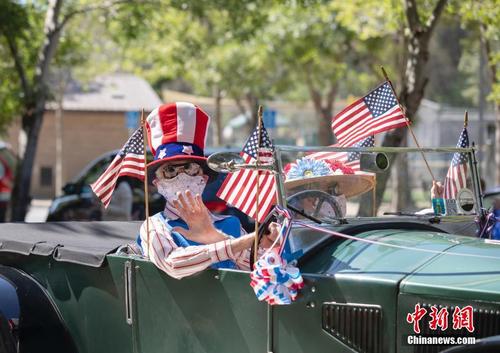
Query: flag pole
374 196
407 122
466 119
257 191
146 188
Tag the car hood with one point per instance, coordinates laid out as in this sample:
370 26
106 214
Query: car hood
418 260
463 271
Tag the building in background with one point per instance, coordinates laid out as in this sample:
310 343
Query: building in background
90 121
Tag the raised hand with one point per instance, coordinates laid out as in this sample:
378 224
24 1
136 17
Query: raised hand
192 210
437 190
268 238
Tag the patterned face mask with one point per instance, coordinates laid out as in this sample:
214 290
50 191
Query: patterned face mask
169 188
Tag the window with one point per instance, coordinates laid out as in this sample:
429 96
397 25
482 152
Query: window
46 176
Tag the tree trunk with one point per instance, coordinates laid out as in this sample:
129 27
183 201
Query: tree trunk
404 200
22 186
253 103
34 110
497 144
218 117
325 136
414 83
324 112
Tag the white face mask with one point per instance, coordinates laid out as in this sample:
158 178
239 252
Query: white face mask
169 188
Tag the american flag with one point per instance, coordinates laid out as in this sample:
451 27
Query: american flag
350 159
128 162
457 173
239 189
377 112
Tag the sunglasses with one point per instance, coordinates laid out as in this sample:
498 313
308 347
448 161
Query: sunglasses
170 171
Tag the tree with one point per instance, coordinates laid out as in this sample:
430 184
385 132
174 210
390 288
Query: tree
419 20
483 19
30 34
320 55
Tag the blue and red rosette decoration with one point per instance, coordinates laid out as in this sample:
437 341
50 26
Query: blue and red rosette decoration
273 278
275 281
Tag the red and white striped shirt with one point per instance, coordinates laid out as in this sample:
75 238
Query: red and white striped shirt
179 262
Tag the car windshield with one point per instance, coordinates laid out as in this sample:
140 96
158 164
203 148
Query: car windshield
333 183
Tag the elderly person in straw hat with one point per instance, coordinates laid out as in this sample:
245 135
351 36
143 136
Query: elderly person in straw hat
186 238
336 181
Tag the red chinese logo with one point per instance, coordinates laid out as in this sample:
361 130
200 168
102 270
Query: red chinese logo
438 318
462 318
415 317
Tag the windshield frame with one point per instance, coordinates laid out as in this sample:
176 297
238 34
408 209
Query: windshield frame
470 151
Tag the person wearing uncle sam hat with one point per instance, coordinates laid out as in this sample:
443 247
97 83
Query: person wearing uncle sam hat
186 238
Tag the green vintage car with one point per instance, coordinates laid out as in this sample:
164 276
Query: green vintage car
74 286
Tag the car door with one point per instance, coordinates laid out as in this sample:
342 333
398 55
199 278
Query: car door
214 311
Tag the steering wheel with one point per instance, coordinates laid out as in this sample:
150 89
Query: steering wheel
321 196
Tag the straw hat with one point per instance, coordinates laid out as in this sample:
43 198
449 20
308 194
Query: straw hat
327 174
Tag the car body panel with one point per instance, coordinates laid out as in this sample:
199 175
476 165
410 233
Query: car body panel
203 313
469 278
389 263
216 310
90 300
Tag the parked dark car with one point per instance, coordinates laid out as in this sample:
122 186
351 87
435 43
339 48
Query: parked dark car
80 204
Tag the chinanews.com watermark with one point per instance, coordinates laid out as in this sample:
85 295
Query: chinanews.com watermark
443 328
439 340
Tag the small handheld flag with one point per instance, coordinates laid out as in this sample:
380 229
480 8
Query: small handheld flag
128 162
239 188
376 112
457 173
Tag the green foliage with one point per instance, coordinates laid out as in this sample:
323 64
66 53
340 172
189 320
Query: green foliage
483 19
259 48
371 18
16 24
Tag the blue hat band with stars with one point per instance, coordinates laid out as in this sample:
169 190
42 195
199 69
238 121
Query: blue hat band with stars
177 149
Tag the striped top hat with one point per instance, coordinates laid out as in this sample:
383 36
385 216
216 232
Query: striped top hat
177 131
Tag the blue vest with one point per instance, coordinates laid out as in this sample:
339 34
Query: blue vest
496 228
229 225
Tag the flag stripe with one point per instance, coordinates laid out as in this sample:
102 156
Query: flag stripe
388 120
155 133
346 113
394 112
351 121
186 122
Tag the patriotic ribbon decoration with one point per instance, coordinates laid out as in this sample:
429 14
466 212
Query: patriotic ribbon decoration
485 225
273 279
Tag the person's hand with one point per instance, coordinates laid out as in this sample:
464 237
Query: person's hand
437 190
192 210
268 238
